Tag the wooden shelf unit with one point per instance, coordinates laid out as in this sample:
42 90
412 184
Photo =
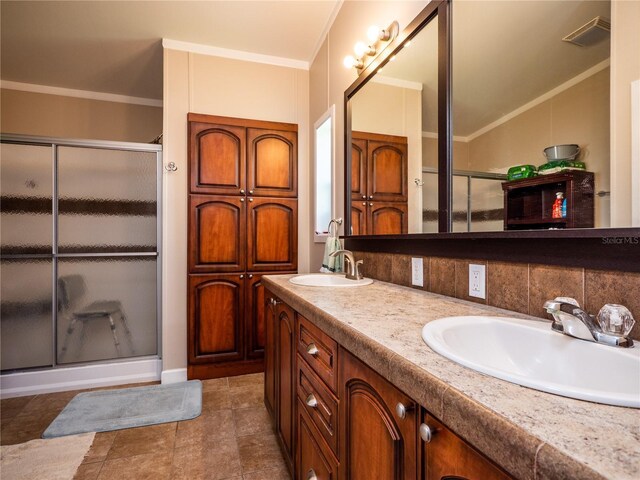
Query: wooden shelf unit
528 203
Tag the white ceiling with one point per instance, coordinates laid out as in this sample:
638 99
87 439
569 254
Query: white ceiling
115 46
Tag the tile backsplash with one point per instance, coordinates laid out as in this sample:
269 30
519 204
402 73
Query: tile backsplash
522 287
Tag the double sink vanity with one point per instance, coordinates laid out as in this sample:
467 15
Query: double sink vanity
355 392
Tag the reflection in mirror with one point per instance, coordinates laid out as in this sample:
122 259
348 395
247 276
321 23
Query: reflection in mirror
388 121
517 89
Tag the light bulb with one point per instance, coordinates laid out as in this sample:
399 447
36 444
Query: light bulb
373 33
360 48
349 61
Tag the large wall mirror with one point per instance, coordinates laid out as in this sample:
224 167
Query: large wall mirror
516 88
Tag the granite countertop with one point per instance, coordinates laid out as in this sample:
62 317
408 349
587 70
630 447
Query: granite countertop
531 434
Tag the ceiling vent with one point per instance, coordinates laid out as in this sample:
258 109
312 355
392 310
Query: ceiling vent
590 33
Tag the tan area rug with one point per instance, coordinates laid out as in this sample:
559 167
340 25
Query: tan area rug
53 459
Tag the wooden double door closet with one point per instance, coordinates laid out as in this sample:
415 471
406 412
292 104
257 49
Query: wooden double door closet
243 224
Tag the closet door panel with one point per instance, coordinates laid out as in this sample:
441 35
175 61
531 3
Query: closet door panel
216 309
272 163
217 158
358 168
272 233
217 233
387 175
358 218
388 218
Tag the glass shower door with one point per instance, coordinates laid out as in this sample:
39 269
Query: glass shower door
107 254
26 267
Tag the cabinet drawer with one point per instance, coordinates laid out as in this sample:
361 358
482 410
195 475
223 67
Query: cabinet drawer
319 403
313 458
319 350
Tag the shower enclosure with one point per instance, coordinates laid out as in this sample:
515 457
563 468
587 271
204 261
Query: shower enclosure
79 251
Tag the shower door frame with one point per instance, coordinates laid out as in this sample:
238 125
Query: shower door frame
54 143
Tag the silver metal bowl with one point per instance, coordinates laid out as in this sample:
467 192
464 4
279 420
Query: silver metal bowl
562 152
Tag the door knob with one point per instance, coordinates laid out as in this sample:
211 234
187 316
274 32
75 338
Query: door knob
426 432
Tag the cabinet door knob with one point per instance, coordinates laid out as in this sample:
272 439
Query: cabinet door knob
311 401
250 192
402 410
251 199
426 432
364 197
311 475
250 275
241 275
312 349
242 191
364 204
242 199
370 197
371 204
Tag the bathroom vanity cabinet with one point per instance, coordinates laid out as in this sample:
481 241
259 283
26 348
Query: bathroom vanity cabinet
348 421
243 220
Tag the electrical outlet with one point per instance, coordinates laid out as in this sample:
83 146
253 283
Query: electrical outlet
416 272
477 281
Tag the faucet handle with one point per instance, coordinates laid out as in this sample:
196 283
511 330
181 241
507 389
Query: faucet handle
615 319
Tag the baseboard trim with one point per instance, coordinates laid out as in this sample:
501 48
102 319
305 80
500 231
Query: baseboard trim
75 378
174 375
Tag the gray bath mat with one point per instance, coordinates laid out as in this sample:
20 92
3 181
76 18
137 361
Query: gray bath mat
105 410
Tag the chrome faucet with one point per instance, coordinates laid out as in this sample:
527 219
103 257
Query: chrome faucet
353 270
570 319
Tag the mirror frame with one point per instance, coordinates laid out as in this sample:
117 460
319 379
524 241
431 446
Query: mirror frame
599 248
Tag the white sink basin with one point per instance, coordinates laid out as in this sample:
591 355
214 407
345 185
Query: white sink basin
328 280
529 353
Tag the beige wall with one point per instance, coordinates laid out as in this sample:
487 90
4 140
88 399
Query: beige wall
318 105
219 86
625 68
41 114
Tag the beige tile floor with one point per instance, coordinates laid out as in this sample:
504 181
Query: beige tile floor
232 440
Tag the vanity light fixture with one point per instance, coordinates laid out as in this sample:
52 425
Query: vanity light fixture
377 37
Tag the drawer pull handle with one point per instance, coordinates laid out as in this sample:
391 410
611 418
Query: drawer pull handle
402 410
311 401
426 433
312 349
311 475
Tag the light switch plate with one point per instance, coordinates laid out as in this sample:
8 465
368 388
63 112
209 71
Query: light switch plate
477 281
416 272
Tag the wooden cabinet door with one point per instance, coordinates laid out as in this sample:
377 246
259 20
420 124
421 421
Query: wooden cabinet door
270 350
448 456
375 441
216 309
358 168
217 158
387 171
386 218
358 217
272 168
272 234
255 334
217 232
313 458
285 383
